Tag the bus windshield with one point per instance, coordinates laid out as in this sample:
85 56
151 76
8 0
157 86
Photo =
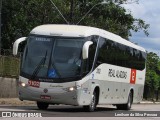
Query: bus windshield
52 57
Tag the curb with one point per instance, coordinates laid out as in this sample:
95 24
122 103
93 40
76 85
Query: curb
149 102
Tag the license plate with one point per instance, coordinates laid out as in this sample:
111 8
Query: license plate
47 97
34 83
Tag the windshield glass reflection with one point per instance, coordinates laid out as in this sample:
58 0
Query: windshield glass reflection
52 57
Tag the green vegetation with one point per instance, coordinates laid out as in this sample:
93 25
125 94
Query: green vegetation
20 16
152 83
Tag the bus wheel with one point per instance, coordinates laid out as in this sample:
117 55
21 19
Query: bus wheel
42 105
92 106
130 101
128 105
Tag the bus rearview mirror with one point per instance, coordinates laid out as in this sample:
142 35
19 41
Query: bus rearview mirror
86 49
16 44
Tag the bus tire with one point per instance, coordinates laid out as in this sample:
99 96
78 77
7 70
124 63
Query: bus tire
128 105
42 105
93 104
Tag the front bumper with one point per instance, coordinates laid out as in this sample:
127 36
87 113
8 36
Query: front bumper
62 97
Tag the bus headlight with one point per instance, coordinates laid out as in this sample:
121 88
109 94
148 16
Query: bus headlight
22 84
73 88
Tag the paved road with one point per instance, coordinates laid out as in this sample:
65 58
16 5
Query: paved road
101 113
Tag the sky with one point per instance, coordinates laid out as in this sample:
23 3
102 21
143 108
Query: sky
149 11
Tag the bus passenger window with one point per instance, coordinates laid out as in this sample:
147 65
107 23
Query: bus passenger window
92 51
103 47
89 63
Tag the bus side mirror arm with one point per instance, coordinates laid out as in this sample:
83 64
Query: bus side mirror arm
86 49
16 44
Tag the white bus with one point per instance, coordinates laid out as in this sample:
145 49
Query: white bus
80 65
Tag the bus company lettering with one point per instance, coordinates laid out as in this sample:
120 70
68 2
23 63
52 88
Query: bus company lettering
118 73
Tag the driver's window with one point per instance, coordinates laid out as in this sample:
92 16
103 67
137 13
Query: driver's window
88 63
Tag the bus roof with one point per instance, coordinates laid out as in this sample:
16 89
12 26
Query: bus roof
80 31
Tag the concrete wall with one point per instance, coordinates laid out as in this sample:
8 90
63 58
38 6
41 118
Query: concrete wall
8 88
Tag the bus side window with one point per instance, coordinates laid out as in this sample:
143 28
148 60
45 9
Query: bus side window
110 53
88 63
92 51
103 47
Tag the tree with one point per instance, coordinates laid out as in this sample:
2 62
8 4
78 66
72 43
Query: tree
152 75
158 80
20 16
111 17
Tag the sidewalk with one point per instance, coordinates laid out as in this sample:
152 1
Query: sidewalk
15 102
149 102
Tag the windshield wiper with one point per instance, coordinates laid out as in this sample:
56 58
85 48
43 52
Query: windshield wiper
42 61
